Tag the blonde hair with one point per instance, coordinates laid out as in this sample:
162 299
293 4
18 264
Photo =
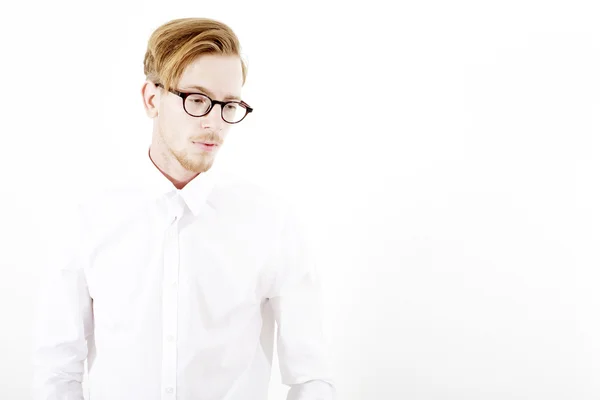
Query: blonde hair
175 44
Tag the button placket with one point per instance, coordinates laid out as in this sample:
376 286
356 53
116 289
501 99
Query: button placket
170 299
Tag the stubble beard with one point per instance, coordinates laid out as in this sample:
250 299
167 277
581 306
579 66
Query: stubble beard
196 163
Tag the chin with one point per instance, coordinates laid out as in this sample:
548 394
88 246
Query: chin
202 166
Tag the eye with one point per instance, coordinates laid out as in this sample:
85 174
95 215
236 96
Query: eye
197 99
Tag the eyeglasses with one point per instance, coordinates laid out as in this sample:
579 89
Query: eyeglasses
199 105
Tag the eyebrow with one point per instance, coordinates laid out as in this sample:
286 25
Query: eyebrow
211 94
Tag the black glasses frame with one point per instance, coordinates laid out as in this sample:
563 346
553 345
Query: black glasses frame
184 96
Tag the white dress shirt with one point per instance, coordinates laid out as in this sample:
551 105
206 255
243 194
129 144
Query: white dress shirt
174 294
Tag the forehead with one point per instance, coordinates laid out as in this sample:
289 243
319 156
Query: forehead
219 74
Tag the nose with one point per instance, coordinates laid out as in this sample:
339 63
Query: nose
213 119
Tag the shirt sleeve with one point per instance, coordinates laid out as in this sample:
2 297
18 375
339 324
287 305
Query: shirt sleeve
296 301
63 320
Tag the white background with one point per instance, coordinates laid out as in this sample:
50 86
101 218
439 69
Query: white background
446 156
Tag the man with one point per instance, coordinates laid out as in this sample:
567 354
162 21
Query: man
176 277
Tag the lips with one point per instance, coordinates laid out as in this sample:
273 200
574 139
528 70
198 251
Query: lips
206 147
207 143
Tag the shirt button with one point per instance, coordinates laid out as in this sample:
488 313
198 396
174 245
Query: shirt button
170 338
169 390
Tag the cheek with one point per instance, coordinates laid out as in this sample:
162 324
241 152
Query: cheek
175 128
225 131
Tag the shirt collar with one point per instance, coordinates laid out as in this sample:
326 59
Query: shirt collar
195 194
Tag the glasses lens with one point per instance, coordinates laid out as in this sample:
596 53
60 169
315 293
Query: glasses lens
197 104
233 112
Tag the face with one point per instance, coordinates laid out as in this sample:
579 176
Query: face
178 138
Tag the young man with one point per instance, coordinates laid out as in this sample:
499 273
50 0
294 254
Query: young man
177 277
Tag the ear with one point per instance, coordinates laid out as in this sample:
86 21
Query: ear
151 96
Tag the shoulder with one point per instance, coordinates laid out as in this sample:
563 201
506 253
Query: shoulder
246 197
104 203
